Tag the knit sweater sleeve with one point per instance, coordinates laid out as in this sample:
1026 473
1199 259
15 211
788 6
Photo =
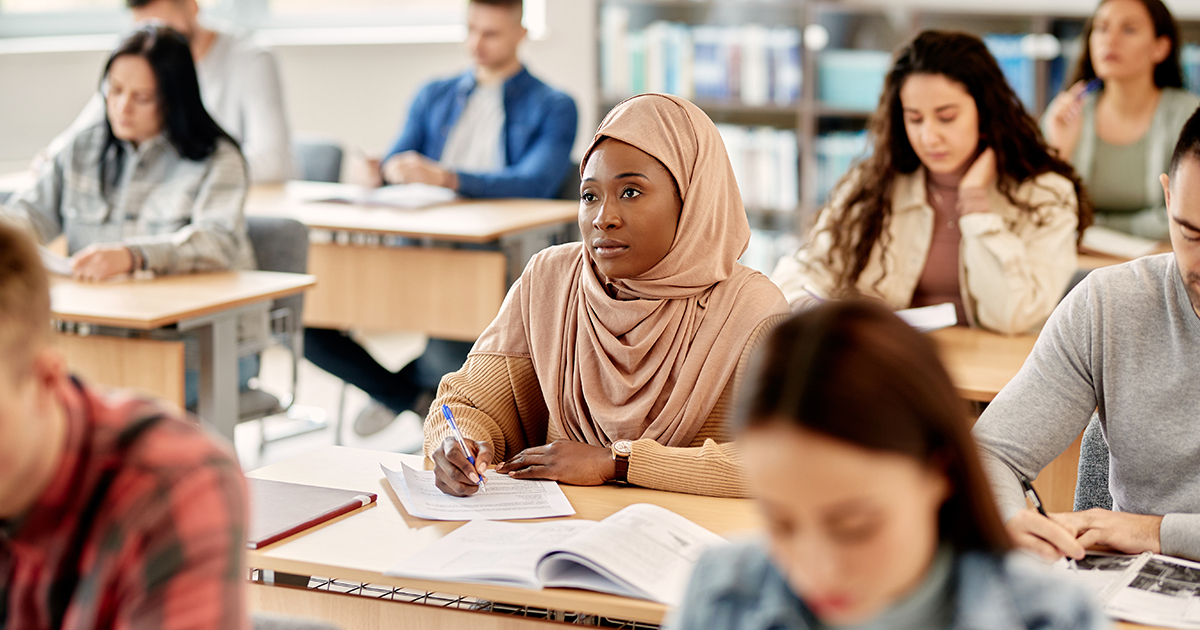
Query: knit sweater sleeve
495 399
712 465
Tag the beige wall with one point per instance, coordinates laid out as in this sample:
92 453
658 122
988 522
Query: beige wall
357 94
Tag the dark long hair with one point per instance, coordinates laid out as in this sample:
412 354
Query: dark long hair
1168 72
854 371
1021 152
186 124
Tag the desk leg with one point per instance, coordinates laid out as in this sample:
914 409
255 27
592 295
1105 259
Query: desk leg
218 401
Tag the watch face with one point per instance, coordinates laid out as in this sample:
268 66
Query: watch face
623 447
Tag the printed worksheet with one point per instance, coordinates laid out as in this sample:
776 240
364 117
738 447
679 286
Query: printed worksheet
1148 588
505 498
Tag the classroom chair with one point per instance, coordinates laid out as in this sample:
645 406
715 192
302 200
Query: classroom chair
281 244
317 159
1091 487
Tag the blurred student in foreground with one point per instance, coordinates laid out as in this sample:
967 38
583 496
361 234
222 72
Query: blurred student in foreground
960 200
878 513
115 511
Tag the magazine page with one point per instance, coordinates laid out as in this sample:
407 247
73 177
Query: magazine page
644 551
1162 591
1100 573
492 552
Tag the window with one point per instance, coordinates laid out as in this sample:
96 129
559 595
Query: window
37 18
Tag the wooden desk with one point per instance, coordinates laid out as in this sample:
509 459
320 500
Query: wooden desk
981 363
363 544
446 292
208 305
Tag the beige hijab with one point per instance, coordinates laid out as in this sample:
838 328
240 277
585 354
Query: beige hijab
652 362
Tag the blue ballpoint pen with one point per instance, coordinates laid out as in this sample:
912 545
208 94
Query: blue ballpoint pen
461 444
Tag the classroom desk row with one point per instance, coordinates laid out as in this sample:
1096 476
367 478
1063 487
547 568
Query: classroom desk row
359 546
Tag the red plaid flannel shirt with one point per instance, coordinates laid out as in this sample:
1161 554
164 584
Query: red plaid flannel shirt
164 548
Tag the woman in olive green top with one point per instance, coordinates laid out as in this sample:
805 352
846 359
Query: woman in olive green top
1118 122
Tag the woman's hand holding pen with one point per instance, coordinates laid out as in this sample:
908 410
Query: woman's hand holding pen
565 461
453 473
1065 120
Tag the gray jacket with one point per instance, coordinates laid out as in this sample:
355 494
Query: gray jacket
736 587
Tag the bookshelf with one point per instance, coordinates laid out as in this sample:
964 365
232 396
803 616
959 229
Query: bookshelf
1036 44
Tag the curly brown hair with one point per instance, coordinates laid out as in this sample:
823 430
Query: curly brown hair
1021 152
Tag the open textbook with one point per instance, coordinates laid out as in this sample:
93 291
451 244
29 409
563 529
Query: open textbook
643 551
1149 588
505 497
410 196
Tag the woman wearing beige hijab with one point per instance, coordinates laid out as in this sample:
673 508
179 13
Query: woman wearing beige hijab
616 359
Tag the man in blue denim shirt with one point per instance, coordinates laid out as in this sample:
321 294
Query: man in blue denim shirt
493 131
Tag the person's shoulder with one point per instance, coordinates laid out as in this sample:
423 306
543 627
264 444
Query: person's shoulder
443 84
1046 187
1015 591
738 571
555 258
757 294
539 89
1148 275
156 436
1180 102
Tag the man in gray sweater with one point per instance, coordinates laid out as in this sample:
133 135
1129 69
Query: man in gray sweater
1125 342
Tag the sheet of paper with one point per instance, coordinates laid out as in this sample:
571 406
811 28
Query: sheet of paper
410 196
489 551
1107 241
1097 572
927 318
506 498
1163 592
55 263
652 550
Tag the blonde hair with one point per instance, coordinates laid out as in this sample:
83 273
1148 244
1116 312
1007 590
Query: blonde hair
24 299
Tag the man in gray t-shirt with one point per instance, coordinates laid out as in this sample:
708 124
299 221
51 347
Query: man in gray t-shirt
1126 344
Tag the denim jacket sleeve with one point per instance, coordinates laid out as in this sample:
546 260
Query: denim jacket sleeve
540 170
412 137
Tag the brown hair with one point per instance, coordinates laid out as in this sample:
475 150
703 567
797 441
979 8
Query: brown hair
854 371
515 5
24 298
1168 72
1021 152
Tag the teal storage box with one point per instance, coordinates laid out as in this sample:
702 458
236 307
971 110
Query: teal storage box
851 79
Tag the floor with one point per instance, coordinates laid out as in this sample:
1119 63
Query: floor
318 396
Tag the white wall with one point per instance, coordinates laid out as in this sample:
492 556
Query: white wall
357 94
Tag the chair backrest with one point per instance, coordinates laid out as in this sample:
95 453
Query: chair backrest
281 244
1091 487
317 159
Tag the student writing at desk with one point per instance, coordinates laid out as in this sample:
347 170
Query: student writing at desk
115 512
1119 120
959 202
239 84
617 359
1123 343
493 131
877 510
155 185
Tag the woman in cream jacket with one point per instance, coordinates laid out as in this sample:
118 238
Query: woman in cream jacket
959 202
